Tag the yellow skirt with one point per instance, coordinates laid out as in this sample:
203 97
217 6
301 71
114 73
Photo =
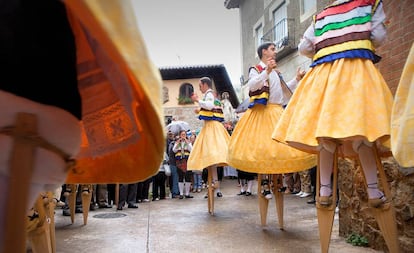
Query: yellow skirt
252 149
344 100
210 147
402 119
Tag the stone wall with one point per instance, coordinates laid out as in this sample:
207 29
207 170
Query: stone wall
354 213
185 113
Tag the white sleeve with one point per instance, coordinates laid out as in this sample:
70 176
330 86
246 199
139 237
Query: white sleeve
379 32
292 84
306 46
175 148
256 80
208 102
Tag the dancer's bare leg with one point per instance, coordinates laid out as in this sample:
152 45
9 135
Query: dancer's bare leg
326 161
368 161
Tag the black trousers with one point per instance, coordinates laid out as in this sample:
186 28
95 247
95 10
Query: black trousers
158 185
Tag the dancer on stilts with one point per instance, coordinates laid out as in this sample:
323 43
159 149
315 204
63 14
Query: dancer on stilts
402 119
210 147
342 107
251 147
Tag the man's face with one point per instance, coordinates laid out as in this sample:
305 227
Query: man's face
171 136
270 52
203 87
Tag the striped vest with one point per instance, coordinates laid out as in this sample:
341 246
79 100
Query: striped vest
214 114
260 96
183 153
343 30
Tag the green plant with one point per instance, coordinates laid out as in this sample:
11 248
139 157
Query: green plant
184 100
357 240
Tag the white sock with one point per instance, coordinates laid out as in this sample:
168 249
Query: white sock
181 187
187 188
249 185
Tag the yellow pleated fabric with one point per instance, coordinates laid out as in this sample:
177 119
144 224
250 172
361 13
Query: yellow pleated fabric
402 119
345 100
252 149
123 135
210 147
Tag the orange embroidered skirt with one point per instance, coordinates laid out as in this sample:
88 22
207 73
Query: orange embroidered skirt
123 137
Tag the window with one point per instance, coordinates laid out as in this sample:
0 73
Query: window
280 25
168 119
165 95
259 35
185 93
307 9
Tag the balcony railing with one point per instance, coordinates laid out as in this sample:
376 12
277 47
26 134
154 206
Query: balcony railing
282 34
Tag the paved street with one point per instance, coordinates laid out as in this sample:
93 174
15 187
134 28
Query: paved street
184 225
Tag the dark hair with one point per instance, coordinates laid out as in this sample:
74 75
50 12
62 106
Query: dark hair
207 81
265 45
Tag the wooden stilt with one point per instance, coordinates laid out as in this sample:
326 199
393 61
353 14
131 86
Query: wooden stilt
211 187
86 201
40 236
385 214
51 214
326 213
277 185
21 170
40 239
72 191
263 202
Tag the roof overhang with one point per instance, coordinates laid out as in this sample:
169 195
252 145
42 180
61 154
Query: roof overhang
230 4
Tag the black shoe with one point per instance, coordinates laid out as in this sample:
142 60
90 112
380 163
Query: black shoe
181 197
188 197
66 212
78 210
282 189
105 206
92 207
241 193
206 196
219 194
248 193
311 201
119 208
132 206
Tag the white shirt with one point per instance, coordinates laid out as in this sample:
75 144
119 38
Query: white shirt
256 81
208 100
